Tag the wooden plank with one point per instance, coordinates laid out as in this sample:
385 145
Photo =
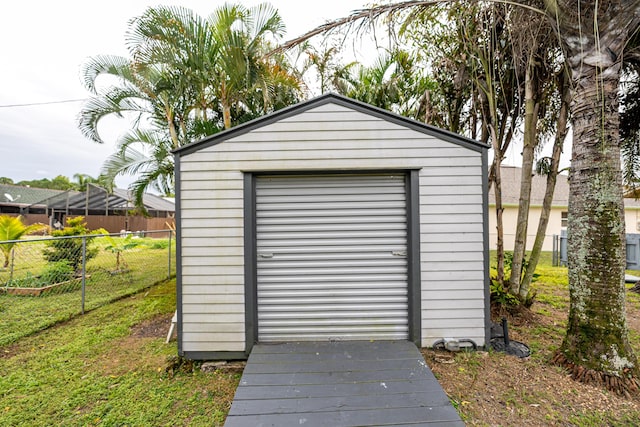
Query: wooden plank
328 390
336 377
336 365
373 417
345 403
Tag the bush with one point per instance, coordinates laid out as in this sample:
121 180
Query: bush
56 272
70 250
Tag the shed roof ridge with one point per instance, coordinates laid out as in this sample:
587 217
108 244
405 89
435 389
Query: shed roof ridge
327 98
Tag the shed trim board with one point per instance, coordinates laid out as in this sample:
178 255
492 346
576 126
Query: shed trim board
485 248
446 209
412 248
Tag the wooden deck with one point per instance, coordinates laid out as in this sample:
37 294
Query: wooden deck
354 383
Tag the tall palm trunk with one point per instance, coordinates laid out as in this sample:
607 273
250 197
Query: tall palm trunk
561 133
528 157
594 34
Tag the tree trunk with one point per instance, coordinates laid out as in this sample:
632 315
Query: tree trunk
597 335
594 35
561 133
497 191
528 155
226 115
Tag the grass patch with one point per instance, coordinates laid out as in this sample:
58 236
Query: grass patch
93 371
23 316
97 369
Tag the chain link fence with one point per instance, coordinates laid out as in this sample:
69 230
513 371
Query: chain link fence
44 281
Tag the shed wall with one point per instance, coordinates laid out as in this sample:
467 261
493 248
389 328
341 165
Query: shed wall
330 138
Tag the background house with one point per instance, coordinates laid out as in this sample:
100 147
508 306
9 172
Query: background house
511 177
330 220
113 211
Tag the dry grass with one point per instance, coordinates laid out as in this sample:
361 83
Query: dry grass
493 389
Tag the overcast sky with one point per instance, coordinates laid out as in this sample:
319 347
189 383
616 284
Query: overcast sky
43 44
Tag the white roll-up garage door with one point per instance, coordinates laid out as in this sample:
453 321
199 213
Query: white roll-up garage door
331 257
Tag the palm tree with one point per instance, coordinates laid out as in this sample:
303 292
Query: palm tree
243 36
12 228
327 72
594 35
394 82
147 155
187 78
221 59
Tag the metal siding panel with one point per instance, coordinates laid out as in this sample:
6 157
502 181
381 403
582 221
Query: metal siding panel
331 257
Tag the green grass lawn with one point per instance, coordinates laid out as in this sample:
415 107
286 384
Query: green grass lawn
96 370
21 316
92 371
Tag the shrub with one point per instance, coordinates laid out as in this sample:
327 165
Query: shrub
56 272
70 250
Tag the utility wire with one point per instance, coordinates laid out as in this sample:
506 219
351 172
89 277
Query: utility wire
42 103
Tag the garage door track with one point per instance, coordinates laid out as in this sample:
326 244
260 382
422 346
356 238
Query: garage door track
351 383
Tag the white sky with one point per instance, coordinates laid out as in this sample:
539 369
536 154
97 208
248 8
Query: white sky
44 42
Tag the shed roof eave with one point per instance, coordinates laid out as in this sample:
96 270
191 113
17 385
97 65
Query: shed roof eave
322 100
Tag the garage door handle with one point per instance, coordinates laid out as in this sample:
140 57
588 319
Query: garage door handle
399 253
265 255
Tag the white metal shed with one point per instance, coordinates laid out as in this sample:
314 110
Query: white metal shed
330 220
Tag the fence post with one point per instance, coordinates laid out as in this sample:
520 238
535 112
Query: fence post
169 271
84 268
13 257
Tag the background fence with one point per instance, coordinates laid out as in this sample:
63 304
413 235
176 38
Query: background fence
632 244
47 280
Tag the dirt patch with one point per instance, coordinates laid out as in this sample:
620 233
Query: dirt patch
10 350
132 353
493 389
156 327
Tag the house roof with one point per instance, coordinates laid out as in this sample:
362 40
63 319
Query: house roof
151 201
98 199
326 99
18 195
57 199
511 178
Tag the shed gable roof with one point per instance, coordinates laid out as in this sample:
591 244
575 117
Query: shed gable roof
338 100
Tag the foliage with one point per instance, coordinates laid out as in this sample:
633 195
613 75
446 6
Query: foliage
501 296
187 77
118 246
60 182
321 66
12 228
395 82
83 181
56 272
70 249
